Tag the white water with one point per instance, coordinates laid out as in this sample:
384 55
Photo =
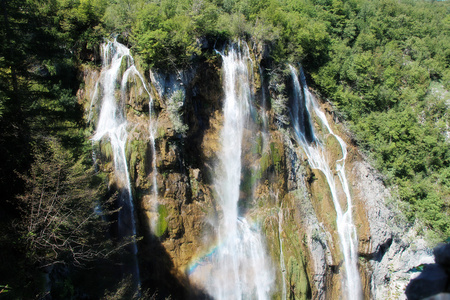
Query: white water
239 268
132 71
152 134
265 127
112 126
112 121
152 127
317 158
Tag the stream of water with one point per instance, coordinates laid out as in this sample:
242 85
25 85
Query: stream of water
304 107
118 68
238 267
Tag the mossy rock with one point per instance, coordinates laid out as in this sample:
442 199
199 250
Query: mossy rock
136 153
106 150
161 225
297 280
334 151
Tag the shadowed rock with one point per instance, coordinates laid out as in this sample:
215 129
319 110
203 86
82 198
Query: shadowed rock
434 279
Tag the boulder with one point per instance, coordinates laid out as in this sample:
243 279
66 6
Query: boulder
442 255
432 281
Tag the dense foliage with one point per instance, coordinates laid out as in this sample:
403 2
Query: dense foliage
390 79
50 233
383 63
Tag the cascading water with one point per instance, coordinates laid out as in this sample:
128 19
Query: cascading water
265 127
152 133
132 71
239 267
303 106
112 125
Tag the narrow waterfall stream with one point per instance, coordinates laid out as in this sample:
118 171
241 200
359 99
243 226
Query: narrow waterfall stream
152 126
152 133
112 126
152 122
303 108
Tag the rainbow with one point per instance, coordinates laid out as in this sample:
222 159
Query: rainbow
205 258
202 259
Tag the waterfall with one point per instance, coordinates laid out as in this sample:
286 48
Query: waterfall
303 106
152 133
112 125
239 267
264 109
263 102
152 123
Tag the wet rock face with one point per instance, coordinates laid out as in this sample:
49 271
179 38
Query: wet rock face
389 246
372 192
277 185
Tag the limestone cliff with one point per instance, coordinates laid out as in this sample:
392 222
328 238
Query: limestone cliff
287 199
